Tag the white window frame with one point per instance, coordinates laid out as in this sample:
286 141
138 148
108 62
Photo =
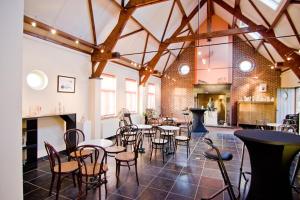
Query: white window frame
152 95
131 93
106 91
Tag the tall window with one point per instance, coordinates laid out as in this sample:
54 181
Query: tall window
151 95
131 89
108 95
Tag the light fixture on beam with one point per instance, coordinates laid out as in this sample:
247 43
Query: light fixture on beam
53 31
33 24
77 41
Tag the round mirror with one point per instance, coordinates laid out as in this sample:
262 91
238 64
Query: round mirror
246 65
184 69
37 80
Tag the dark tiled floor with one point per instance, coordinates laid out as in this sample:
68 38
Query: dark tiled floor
178 178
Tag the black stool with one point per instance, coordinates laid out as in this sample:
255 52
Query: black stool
214 154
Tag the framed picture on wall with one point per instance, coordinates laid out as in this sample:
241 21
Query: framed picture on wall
262 87
66 84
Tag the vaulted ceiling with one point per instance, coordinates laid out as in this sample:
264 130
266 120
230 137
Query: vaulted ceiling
142 25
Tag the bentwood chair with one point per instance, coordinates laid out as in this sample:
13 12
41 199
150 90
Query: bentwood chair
287 128
128 159
129 135
183 140
118 146
72 138
215 155
93 174
158 141
59 169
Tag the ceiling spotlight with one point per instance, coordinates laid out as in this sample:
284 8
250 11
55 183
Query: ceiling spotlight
199 53
299 51
135 64
33 24
146 69
165 75
77 41
272 67
288 58
102 50
150 70
53 31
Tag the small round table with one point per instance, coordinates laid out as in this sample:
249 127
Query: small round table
97 142
271 154
169 132
143 127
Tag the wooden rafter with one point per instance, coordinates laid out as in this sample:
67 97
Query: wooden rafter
259 13
214 34
209 15
293 63
145 74
131 33
165 67
236 9
145 49
276 20
167 24
182 47
140 3
92 21
267 50
244 35
180 6
292 25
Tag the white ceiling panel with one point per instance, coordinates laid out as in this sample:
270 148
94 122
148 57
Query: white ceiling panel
161 63
154 17
152 46
274 53
174 23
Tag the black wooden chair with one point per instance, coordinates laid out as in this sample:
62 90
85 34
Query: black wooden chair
215 155
93 174
59 169
72 137
184 140
158 141
128 159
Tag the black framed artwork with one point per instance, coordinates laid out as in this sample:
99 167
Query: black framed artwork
66 84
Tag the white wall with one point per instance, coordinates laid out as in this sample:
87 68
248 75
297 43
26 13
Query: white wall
110 125
54 60
57 60
11 17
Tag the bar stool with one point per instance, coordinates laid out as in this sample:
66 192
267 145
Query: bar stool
214 154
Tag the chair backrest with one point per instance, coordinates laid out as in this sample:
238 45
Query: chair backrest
139 138
127 119
119 135
210 143
189 128
85 166
129 132
53 157
72 138
287 128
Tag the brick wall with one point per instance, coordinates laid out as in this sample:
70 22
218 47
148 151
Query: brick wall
178 95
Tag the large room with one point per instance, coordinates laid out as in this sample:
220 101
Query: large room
150 99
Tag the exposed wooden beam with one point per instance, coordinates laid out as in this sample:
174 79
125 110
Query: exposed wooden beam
209 15
92 21
261 42
222 33
259 13
100 55
282 49
248 41
180 6
292 25
267 50
145 49
140 3
184 31
236 9
131 33
165 67
167 24
145 74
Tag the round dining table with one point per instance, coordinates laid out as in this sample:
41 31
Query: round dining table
169 133
97 142
143 127
271 154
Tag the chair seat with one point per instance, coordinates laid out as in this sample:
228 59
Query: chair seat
167 134
67 167
125 156
159 141
83 153
115 149
89 171
181 138
212 155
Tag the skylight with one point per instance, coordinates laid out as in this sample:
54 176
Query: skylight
254 35
272 3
